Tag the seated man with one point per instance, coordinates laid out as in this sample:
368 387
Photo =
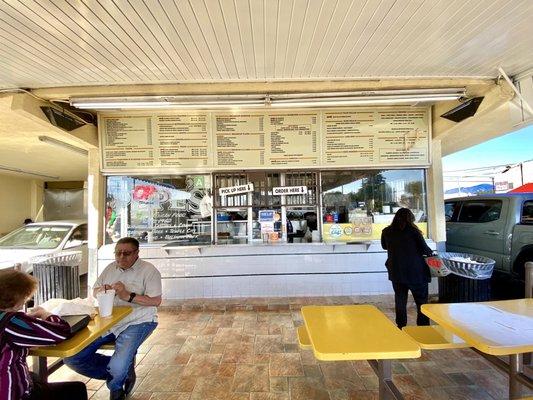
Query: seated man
137 284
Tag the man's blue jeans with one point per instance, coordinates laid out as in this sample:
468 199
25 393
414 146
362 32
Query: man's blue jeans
113 369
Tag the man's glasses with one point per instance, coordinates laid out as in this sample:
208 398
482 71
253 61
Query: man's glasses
124 253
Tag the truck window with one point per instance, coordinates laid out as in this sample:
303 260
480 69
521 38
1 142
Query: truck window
527 213
451 208
480 211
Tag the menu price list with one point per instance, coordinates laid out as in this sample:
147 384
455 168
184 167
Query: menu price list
240 140
173 140
128 142
183 140
292 139
375 137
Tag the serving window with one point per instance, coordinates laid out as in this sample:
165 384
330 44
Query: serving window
358 204
174 209
262 206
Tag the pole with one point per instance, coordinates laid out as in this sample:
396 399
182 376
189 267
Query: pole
529 280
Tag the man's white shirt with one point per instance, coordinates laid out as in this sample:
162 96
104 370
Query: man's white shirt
143 279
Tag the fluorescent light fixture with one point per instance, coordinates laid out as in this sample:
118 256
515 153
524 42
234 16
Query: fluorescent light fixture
21 171
289 100
63 145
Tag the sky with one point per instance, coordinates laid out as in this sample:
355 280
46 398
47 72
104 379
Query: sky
508 149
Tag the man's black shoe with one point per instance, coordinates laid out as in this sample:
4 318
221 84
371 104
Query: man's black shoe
129 383
117 395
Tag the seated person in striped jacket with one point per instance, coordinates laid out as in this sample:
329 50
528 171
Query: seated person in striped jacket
18 332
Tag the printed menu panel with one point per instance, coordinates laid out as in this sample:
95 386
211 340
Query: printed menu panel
239 140
183 140
375 137
292 140
128 142
167 140
267 139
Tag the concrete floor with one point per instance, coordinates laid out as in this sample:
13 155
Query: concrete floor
246 349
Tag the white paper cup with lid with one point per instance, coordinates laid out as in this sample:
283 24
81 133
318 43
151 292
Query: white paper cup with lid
105 302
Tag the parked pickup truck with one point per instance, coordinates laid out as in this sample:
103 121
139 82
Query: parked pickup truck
498 226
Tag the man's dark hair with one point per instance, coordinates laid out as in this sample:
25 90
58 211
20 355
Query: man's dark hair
28 221
129 240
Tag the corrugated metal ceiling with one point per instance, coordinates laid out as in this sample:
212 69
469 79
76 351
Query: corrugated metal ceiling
52 43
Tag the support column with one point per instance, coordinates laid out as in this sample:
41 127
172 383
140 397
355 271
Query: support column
95 213
37 198
437 223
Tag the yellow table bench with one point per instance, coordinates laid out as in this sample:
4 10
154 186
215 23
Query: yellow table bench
303 338
75 344
434 337
357 332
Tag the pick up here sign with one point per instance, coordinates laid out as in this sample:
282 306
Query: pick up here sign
230 190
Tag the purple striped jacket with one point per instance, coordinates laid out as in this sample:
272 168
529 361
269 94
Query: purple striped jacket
18 333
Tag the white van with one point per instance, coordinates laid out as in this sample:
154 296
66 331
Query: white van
41 239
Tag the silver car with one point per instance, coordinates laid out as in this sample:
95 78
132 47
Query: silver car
42 239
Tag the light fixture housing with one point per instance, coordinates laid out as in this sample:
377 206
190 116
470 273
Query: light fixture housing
289 100
63 145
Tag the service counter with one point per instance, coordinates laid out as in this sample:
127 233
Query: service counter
266 270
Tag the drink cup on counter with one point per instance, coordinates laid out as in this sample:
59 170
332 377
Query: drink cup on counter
105 302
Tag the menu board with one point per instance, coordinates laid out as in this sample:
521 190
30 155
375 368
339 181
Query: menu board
292 140
167 140
266 140
128 142
375 137
183 140
208 141
239 140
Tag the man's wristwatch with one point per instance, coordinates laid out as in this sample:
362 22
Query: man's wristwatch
132 296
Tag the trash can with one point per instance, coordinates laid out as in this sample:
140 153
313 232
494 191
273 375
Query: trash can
58 276
469 279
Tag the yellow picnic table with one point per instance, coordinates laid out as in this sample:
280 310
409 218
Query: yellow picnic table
493 328
96 328
358 332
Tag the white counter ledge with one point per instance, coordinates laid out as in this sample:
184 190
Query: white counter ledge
266 269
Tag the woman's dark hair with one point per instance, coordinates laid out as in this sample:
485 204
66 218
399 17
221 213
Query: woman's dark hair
15 286
403 218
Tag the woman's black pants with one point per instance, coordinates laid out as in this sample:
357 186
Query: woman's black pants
420 294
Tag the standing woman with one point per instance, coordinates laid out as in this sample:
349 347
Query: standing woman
18 332
406 266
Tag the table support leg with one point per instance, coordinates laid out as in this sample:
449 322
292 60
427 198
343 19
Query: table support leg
515 368
40 368
387 389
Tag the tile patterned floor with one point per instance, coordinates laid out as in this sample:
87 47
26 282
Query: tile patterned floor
246 349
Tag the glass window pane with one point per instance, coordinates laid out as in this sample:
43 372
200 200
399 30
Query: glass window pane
159 209
527 213
357 205
480 211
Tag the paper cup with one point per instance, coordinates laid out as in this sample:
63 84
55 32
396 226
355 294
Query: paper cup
105 302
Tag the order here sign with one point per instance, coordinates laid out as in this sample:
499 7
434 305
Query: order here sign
288 190
228 191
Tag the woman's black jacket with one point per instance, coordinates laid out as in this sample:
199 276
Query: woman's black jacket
405 249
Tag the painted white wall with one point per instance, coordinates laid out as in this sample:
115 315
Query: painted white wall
20 198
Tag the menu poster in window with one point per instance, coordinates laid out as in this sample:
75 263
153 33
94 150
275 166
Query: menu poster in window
292 140
128 142
239 140
376 137
183 140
